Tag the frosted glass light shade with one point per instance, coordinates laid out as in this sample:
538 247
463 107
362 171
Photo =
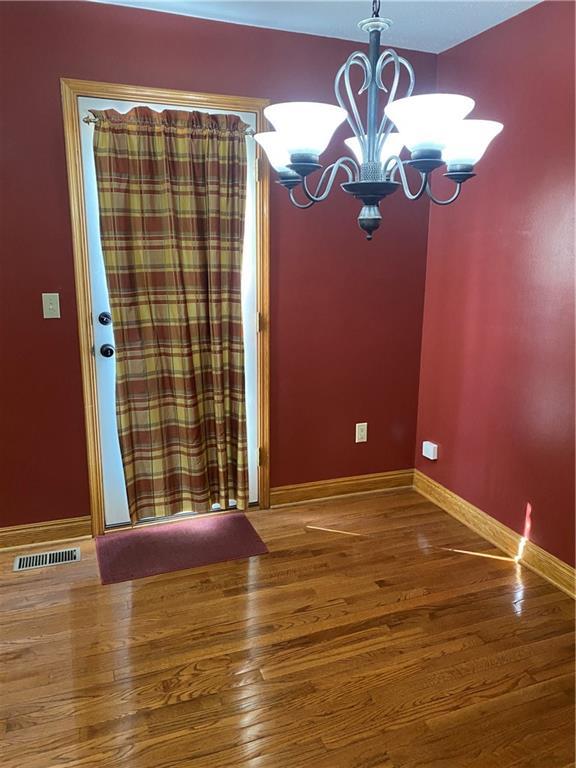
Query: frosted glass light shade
425 121
278 156
392 146
306 127
468 141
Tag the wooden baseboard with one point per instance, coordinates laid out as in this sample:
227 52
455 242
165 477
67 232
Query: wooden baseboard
50 531
534 557
340 486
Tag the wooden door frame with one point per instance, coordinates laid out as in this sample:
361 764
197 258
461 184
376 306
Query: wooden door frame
71 91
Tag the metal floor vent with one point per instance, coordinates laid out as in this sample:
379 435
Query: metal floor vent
44 559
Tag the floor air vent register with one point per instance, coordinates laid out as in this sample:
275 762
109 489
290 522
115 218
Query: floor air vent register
44 559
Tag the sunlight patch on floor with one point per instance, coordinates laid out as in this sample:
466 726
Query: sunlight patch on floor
480 554
336 530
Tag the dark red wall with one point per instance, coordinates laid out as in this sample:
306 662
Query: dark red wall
346 314
497 373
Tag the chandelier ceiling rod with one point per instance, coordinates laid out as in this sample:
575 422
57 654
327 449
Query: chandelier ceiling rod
432 127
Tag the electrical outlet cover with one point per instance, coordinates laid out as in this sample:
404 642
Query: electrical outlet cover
430 450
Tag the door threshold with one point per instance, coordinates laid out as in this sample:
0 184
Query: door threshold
168 519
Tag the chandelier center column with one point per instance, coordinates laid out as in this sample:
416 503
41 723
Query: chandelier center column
372 127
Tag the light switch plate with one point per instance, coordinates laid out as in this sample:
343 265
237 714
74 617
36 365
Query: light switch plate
362 432
50 305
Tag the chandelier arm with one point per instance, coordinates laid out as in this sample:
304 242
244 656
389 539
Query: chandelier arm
295 202
354 120
386 57
399 166
385 127
443 202
330 173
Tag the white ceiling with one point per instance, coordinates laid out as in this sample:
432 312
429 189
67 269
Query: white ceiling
422 25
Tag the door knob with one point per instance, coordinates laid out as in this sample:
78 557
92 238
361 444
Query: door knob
107 350
104 318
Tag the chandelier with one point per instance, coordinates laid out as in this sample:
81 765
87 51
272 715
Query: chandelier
432 127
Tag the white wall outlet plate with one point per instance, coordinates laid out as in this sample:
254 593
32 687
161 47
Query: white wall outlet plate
50 305
430 450
362 432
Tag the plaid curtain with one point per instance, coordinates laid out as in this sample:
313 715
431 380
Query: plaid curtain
172 190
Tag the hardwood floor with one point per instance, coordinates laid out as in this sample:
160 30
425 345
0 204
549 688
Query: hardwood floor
380 649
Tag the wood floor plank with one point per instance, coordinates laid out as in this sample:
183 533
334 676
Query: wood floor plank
364 639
